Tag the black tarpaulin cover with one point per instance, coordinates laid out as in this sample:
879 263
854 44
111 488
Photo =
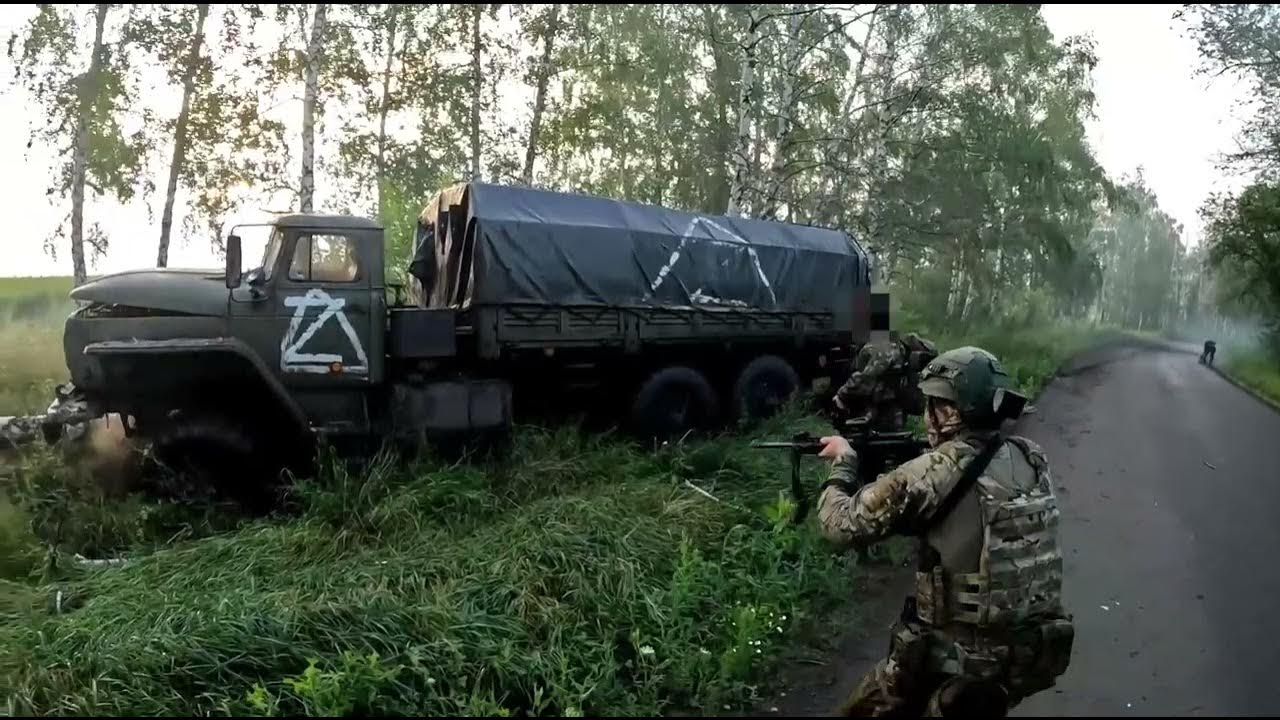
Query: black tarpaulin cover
480 244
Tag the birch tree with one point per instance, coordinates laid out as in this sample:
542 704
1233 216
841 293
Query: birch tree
84 112
548 30
190 68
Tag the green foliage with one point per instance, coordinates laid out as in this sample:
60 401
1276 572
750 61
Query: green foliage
85 90
580 577
1243 40
1244 244
1255 368
31 362
1146 273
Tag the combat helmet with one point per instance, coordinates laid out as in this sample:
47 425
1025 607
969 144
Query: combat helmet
975 382
919 351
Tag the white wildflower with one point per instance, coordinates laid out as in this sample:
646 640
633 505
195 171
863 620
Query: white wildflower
646 650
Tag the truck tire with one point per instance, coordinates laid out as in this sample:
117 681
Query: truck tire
763 387
212 454
673 401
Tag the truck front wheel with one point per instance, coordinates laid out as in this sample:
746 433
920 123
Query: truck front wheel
210 453
673 401
764 386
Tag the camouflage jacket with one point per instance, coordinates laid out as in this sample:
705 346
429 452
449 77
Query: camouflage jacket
899 502
877 373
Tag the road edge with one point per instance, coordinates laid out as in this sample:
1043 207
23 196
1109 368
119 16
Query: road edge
1257 395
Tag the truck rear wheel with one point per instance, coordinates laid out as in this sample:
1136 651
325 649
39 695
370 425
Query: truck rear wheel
673 401
764 386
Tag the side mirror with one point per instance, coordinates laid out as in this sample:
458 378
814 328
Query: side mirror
233 262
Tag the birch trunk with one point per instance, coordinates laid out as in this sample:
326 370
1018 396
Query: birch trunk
540 98
476 78
384 106
180 133
80 152
746 100
315 46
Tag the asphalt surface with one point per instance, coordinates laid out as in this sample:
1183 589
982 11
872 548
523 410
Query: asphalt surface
1169 483
1170 491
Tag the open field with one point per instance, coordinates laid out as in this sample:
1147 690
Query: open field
31 314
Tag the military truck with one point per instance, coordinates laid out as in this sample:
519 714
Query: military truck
673 321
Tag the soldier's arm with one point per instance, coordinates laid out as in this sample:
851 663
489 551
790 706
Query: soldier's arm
894 503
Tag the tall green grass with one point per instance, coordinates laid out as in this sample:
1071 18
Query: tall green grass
583 576
1032 356
31 363
1257 369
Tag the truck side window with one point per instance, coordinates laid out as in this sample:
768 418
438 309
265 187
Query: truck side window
324 258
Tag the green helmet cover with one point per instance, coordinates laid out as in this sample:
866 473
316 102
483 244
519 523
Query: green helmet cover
968 377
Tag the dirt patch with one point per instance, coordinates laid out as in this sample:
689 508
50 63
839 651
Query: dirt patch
835 652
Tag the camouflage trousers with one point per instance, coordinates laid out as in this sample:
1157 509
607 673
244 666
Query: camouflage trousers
932 673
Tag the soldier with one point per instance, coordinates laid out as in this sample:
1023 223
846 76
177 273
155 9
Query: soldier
1210 349
882 389
986 627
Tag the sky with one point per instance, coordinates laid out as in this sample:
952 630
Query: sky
1153 111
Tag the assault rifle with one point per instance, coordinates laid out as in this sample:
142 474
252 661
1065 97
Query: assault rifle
876 451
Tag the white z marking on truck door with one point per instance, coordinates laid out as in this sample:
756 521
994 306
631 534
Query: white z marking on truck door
293 359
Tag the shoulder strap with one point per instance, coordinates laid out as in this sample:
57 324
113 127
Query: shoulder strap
972 472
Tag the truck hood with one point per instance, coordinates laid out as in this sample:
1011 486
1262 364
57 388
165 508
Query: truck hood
194 292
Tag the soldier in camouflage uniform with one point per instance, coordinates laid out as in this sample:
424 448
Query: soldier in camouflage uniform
986 627
882 389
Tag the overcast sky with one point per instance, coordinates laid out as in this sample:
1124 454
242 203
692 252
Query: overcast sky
1152 111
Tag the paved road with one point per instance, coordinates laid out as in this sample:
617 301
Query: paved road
1169 480
1170 487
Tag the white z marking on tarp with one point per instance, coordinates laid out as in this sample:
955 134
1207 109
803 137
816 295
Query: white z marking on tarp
732 240
293 359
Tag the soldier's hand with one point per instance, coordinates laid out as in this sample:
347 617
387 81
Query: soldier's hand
834 446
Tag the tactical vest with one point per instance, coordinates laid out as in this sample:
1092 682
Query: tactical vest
1008 520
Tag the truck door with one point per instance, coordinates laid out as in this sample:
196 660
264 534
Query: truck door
326 312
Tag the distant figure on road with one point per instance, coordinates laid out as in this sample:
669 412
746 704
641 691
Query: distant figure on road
882 389
1210 349
986 627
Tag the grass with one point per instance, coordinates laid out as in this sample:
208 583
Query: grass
583 575
1256 369
1031 356
31 361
